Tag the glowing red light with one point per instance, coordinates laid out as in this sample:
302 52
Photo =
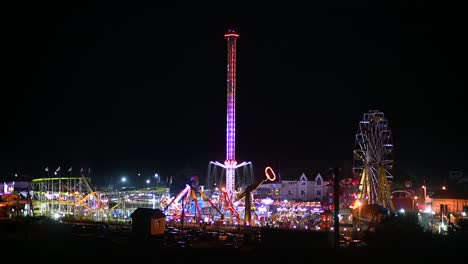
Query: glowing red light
231 35
270 174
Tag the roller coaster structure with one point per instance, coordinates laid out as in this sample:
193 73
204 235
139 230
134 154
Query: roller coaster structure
76 198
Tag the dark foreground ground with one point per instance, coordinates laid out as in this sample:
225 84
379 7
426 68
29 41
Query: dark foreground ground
400 243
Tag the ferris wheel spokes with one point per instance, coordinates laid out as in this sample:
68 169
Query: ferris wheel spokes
372 158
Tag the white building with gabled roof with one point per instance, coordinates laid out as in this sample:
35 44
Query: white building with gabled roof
297 190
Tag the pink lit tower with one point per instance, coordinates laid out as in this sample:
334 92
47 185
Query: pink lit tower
230 164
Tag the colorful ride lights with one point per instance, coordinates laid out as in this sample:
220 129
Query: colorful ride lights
270 174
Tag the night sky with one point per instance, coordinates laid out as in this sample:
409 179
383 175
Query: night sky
126 89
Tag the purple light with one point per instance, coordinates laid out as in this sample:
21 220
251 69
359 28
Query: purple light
231 113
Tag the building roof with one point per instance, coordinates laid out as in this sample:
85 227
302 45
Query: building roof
449 195
147 212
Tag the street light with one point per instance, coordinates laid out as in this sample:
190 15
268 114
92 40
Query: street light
414 201
157 179
424 188
359 215
148 181
124 179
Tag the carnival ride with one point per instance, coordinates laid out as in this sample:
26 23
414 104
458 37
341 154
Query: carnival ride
247 194
75 197
187 205
230 166
372 164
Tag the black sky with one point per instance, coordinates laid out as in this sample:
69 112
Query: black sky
125 89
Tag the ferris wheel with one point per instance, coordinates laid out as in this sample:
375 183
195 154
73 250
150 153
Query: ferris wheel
373 159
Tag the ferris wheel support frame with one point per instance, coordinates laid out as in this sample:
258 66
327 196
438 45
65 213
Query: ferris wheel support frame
374 148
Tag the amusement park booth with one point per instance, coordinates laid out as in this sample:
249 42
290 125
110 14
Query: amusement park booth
148 222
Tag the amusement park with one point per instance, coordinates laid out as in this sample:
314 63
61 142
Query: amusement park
232 198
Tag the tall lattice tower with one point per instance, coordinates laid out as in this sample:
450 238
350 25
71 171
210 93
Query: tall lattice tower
230 164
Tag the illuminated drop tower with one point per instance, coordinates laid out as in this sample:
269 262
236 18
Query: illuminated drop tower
230 164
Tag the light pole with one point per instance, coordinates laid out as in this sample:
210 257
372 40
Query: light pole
359 215
424 188
183 215
156 175
414 202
